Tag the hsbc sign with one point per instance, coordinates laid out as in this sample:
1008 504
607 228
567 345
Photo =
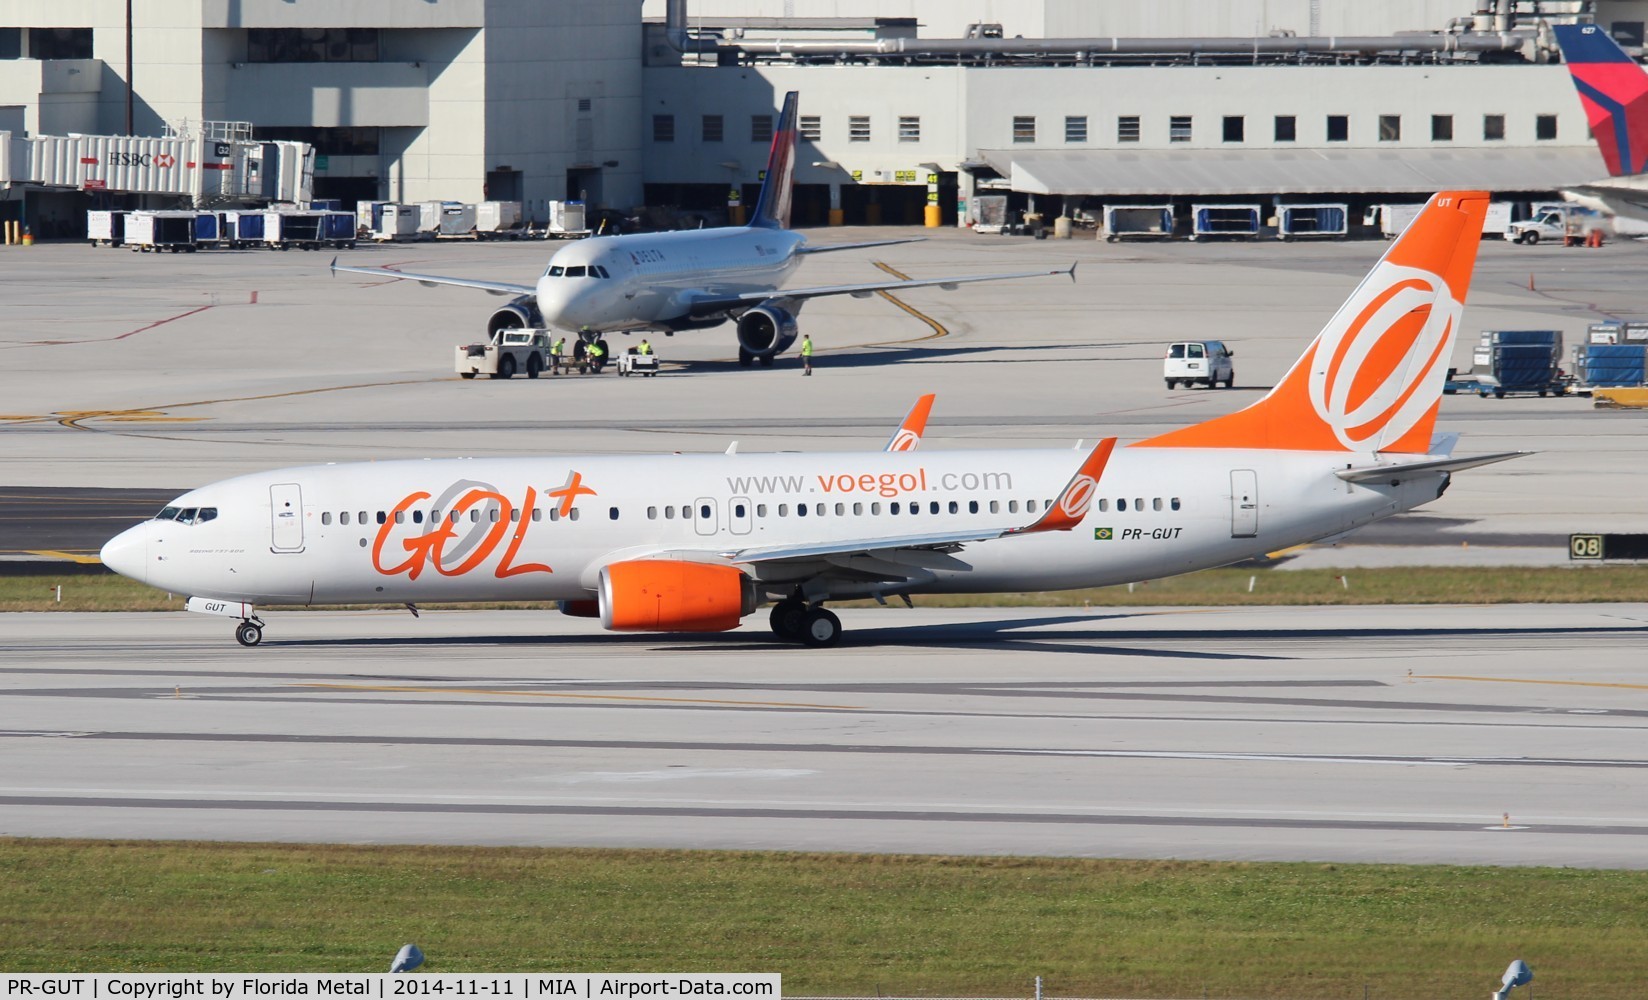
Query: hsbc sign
116 159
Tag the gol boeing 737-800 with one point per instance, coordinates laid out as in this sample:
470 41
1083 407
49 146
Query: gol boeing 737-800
693 543
691 279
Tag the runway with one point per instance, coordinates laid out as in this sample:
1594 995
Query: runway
1508 735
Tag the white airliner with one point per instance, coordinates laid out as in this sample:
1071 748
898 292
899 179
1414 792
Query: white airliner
692 543
691 279
1613 91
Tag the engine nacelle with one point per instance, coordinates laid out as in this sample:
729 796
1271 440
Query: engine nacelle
766 331
521 313
581 609
668 595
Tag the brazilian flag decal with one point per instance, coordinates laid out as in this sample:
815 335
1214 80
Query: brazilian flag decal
1104 534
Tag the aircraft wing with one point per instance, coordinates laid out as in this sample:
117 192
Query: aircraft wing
430 280
1066 512
1386 473
833 247
707 305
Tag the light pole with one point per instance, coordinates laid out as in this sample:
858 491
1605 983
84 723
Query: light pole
128 67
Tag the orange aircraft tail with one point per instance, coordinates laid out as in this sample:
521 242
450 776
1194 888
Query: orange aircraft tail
1371 381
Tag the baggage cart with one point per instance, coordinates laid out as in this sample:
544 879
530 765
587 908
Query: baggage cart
1230 221
632 362
106 229
1124 222
1329 221
170 230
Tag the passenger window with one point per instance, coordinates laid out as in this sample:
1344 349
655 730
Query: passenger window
515 515
1138 503
1175 503
893 507
783 510
1029 506
737 510
1104 505
932 508
652 513
343 518
819 510
915 508
858 510
474 515
1121 504
554 514
326 517
840 509
206 514
573 515
995 506
1012 506
704 512
955 508
669 513
400 517
417 517
492 514
972 506
875 508
800 510
537 513
1156 504
760 510
576 271
612 513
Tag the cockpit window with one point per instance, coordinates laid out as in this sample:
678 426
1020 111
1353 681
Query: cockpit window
206 514
598 271
556 270
187 515
167 514
576 271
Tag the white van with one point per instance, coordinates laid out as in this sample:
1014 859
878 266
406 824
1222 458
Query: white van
1204 361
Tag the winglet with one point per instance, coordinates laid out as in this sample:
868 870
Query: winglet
333 267
1071 506
1072 271
908 435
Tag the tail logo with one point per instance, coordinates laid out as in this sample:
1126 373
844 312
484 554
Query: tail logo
1078 496
1388 342
904 440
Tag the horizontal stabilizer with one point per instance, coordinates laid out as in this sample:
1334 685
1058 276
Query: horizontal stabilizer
1383 473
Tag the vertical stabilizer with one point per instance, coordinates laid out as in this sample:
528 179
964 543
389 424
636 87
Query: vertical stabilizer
1614 92
1371 381
772 207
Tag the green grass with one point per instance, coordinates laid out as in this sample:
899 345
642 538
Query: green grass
832 924
1397 585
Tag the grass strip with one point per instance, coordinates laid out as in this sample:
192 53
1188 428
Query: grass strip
1215 587
832 924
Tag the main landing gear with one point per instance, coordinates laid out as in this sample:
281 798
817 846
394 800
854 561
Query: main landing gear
794 620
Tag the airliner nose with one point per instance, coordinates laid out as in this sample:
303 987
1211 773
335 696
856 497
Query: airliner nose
128 553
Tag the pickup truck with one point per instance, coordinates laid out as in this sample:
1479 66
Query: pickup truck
510 351
1568 225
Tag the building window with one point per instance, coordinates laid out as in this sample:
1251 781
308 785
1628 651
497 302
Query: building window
1178 128
60 43
585 105
663 128
1338 128
1075 128
1627 33
761 128
714 127
1234 128
1441 128
1545 128
11 43
1390 128
1493 128
1024 128
1127 128
909 128
287 45
858 128
1287 128
812 128
354 141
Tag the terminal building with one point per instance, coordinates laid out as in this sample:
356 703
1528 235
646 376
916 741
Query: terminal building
908 107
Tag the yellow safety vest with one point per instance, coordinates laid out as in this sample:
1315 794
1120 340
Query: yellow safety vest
646 348
806 348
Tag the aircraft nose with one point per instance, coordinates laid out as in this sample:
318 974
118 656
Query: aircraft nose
128 553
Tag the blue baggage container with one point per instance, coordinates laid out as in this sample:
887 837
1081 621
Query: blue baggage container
1523 367
338 227
1615 365
208 228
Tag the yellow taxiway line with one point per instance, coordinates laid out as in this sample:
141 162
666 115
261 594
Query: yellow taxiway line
1528 680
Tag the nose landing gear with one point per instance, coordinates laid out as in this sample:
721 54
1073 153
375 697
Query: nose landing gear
249 632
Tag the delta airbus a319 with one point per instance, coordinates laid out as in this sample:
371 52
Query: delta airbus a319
691 279
695 543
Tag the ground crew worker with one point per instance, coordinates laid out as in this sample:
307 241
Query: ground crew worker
806 355
646 347
597 355
556 351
